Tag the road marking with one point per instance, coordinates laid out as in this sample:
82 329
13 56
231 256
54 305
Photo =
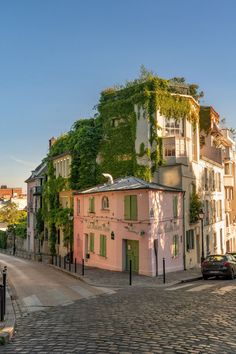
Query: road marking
105 290
82 291
33 303
179 287
201 287
224 289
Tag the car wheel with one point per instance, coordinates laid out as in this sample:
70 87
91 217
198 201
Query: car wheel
205 277
231 276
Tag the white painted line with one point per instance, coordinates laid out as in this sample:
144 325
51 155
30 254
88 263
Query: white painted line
179 287
82 291
105 290
32 300
201 287
224 289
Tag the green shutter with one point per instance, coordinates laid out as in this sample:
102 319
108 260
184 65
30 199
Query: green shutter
127 207
91 238
103 246
133 209
175 207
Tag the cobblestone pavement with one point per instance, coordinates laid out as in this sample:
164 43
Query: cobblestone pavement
196 317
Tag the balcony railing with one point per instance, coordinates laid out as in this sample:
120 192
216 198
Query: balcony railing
212 153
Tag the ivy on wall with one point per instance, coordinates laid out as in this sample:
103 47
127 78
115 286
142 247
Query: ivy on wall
106 143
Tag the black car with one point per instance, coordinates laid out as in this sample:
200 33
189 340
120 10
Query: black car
219 265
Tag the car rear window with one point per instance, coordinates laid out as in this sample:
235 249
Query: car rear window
216 258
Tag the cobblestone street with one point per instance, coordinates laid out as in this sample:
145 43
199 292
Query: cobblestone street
196 317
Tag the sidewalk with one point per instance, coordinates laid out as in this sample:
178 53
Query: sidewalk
106 278
7 327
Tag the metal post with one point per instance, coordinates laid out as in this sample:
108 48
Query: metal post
202 258
164 270
59 260
64 262
14 243
52 259
83 266
69 264
4 282
75 265
56 260
1 304
130 272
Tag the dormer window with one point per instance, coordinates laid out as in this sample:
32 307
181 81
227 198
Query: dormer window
105 203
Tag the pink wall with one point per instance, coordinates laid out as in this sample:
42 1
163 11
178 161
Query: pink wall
154 221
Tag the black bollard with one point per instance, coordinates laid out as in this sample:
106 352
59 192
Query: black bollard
130 272
75 265
164 270
64 262
1 304
69 264
59 260
83 267
4 281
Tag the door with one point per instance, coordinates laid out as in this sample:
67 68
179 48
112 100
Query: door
132 254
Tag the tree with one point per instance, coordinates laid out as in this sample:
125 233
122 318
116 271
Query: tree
10 214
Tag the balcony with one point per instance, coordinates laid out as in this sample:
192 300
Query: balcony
176 149
37 190
212 153
228 181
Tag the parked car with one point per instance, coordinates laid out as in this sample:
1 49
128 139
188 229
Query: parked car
232 254
219 265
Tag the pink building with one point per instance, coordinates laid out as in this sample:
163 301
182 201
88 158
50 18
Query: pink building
130 220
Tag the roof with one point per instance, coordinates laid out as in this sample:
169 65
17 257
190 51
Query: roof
38 172
128 183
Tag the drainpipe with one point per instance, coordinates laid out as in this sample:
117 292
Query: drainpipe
184 232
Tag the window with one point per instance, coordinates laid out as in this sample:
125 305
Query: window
206 178
131 208
175 206
221 241
103 245
91 205
169 150
78 207
91 242
105 203
228 169
190 239
175 246
173 127
215 241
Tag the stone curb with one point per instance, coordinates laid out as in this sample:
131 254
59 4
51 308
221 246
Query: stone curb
8 326
90 282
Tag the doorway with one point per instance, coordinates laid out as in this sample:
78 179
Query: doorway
132 254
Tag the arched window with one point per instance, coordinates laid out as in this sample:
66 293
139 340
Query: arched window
105 203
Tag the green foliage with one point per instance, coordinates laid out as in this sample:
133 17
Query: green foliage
10 214
65 221
195 208
3 239
39 222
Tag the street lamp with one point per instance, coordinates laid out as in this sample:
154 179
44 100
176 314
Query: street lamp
201 217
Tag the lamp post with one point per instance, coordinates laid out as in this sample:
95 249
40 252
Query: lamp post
201 217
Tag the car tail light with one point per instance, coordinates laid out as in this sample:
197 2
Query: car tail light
226 264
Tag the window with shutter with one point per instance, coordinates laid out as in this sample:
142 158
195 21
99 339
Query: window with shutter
130 207
91 242
91 205
175 206
103 245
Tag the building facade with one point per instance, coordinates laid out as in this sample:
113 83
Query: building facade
130 220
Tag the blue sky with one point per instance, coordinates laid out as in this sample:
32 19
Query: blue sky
58 55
